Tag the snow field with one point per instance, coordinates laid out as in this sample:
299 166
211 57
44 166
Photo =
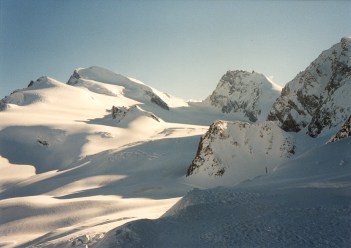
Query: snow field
73 176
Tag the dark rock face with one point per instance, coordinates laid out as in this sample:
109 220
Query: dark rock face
204 151
317 97
157 100
344 132
74 78
42 142
30 84
118 112
3 104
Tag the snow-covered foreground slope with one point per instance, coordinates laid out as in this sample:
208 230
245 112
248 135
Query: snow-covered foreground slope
97 193
306 203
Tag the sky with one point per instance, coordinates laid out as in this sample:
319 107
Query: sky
181 47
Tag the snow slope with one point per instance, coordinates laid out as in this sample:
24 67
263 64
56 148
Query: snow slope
306 203
69 169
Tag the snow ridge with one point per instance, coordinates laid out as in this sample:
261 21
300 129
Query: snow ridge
99 80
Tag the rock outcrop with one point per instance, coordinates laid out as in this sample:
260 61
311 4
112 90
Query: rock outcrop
122 113
240 147
344 132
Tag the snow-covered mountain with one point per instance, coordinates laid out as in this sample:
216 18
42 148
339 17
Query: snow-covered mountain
82 162
250 93
319 97
102 81
237 150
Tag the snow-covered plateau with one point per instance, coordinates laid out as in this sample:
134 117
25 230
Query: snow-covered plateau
105 160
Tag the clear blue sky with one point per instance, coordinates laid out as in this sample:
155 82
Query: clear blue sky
179 47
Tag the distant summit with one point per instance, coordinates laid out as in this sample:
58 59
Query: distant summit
95 79
240 91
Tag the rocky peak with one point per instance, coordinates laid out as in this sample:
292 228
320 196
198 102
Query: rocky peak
318 97
240 91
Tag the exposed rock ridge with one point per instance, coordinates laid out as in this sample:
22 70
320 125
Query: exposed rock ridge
318 97
344 132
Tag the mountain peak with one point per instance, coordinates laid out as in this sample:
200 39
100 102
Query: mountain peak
251 93
318 97
99 74
103 81
42 83
29 95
